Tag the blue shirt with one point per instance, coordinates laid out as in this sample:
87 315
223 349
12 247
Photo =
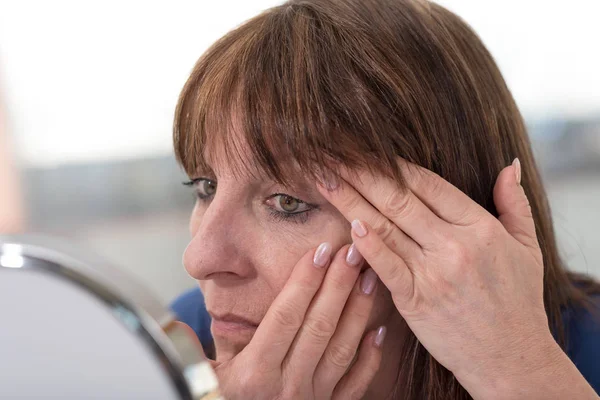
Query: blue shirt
583 342
190 309
583 332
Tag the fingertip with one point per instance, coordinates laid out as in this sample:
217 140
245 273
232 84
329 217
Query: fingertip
517 170
322 255
507 191
359 228
368 281
379 337
353 256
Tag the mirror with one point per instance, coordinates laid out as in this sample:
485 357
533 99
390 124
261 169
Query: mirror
74 327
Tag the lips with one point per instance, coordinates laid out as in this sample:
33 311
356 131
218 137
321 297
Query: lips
225 323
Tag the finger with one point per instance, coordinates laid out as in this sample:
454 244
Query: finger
443 198
279 327
513 206
353 206
344 344
399 205
355 383
391 269
323 314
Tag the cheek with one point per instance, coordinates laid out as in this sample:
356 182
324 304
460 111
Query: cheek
285 247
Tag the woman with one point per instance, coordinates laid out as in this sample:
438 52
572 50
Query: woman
318 124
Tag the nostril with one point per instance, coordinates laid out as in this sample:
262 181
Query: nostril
223 276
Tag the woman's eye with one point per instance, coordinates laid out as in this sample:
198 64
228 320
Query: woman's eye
205 187
288 204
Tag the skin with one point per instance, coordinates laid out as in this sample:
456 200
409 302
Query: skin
467 284
311 319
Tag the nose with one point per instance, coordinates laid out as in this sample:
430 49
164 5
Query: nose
216 248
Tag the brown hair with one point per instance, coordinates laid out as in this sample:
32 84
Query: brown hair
363 82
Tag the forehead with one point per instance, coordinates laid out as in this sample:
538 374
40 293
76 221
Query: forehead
230 154
227 151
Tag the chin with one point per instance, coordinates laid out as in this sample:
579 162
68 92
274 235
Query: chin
230 339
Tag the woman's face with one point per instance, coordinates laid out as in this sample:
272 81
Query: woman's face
247 235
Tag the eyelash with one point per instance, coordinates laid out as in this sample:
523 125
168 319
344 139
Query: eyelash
195 181
299 217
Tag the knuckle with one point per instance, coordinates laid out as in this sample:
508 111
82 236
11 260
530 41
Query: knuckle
384 228
340 282
351 202
320 328
397 279
397 203
306 284
395 274
459 253
340 355
423 179
287 315
338 277
435 186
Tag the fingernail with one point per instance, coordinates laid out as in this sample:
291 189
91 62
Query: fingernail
332 184
368 281
353 256
380 336
322 255
359 228
329 181
517 165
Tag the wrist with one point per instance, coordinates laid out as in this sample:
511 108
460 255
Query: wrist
519 373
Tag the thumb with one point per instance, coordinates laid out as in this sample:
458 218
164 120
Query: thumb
513 206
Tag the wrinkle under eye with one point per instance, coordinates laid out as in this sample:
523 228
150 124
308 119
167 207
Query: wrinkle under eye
284 207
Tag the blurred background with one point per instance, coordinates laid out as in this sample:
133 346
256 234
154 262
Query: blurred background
88 90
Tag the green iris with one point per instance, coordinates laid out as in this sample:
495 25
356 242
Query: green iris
289 204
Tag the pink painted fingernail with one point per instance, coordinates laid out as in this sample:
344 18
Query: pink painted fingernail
359 228
322 255
332 184
517 165
353 256
380 336
329 181
368 281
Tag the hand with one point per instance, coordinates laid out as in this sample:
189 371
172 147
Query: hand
469 286
305 346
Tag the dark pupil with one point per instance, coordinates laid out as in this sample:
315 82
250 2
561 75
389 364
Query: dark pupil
209 187
289 204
